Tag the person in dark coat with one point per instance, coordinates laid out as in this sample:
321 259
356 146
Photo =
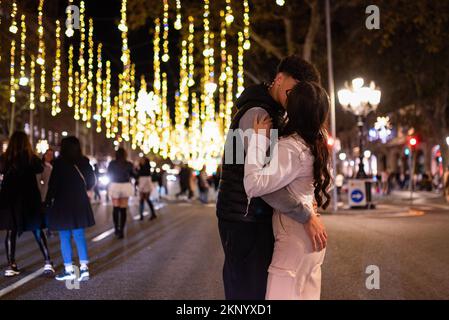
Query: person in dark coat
20 200
70 211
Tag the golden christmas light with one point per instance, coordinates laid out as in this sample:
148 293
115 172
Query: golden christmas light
70 85
41 52
13 28
178 23
99 89
246 43
240 55
90 75
56 82
23 79
69 32
32 83
229 18
76 114
81 63
165 56
12 82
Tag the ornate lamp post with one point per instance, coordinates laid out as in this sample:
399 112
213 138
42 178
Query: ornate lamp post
360 100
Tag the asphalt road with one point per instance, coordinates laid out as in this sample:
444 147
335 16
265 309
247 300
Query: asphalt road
179 256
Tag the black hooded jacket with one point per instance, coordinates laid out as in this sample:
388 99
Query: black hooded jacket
232 201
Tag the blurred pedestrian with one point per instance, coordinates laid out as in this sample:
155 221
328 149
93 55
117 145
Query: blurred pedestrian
146 187
97 195
203 185
446 184
120 172
185 181
69 209
20 200
44 177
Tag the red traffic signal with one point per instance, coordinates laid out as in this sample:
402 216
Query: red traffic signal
413 141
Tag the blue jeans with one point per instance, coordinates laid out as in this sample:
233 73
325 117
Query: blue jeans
66 245
204 196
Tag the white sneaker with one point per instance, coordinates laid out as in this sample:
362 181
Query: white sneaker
12 271
49 270
66 276
84 274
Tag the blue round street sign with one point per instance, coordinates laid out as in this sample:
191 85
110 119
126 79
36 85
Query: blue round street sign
357 195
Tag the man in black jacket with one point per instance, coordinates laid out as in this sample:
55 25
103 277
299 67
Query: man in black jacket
245 227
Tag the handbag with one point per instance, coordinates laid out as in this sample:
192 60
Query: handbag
89 193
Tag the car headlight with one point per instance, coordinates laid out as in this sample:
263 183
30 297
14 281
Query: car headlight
104 180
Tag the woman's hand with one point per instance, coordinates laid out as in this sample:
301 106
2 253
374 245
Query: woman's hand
263 125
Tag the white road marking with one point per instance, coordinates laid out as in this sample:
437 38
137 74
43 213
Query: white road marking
21 282
37 273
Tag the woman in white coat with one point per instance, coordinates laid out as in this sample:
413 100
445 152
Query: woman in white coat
300 161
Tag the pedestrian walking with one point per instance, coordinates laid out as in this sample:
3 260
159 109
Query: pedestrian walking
69 209
120 172
446 184
20 200
97 195
185 175
43 179
203 186
146 187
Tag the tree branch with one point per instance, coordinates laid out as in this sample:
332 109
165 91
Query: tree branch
314 25
267 45
250 75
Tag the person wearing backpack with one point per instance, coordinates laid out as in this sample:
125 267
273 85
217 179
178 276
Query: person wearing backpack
70 212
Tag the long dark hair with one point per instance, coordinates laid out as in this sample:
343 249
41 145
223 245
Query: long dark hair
19 150
307 113
71 150
121 155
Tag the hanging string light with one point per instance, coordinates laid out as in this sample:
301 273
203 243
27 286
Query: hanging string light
0 42
81 63
70 79
76 114
190 59
23 79
41 52
125 104
165 134
106 114
246 43
229 93
90 74
222 77
99 89
12 68
240 54
229 17
32 83
132 110
13 28
178 23
280 2
165 56
56 81
69 32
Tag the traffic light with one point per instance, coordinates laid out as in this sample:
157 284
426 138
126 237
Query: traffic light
412 142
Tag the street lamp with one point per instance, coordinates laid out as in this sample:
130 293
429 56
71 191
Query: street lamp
360 100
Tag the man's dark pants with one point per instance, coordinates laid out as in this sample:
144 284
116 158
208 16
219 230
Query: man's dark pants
248 248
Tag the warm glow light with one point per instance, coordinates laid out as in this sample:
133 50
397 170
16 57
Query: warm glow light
280 2
357 83
23 81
